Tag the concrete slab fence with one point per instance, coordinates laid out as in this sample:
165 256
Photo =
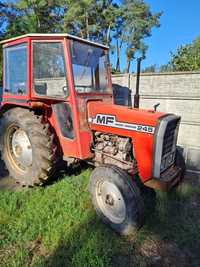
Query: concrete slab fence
177 93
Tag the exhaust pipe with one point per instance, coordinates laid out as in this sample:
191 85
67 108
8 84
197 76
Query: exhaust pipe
137 91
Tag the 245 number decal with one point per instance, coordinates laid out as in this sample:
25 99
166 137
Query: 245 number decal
146 129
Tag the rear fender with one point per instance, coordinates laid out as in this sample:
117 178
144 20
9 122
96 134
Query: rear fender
7 106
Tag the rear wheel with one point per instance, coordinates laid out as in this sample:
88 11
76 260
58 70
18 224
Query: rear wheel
27 147
116 199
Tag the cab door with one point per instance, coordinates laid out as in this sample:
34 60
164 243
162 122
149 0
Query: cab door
50 85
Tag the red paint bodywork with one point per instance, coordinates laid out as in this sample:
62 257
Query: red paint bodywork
142 142
84 106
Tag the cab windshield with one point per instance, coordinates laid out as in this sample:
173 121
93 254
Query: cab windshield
90 68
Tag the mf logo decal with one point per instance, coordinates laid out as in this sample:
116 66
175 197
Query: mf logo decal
109 120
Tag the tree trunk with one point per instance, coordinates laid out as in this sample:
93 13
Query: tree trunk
86 24
128 63
117 67
37 18
108 36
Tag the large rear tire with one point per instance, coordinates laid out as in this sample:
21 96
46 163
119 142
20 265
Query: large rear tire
27 147
116 199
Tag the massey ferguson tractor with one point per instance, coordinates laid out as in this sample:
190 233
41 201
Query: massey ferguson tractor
57 105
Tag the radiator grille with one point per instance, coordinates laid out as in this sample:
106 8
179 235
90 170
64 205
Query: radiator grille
169 137
165 143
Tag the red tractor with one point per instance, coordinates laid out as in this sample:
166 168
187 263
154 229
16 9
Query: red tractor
57 105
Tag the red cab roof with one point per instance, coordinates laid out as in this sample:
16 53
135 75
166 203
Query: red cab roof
52 35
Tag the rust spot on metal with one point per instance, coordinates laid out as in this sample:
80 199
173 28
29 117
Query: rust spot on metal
37 104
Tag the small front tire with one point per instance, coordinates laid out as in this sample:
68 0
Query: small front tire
116 199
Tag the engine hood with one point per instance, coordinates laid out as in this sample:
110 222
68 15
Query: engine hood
123 120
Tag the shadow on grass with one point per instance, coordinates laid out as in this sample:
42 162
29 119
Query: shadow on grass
93 244
63 171
173 219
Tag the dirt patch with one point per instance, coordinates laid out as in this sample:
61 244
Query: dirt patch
35 249
163 253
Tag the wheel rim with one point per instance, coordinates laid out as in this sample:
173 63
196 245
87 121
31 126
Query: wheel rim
111 202
19 147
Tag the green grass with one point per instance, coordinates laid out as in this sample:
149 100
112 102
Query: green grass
57 226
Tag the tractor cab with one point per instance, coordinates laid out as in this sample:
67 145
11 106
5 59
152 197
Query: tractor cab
59 73
49 65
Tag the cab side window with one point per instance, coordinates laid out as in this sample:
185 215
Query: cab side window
49 73
15 69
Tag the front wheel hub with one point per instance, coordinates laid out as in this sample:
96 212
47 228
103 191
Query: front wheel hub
111 202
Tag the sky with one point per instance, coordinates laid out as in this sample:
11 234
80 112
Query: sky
180 24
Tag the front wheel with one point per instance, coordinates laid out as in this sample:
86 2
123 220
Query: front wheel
116 199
